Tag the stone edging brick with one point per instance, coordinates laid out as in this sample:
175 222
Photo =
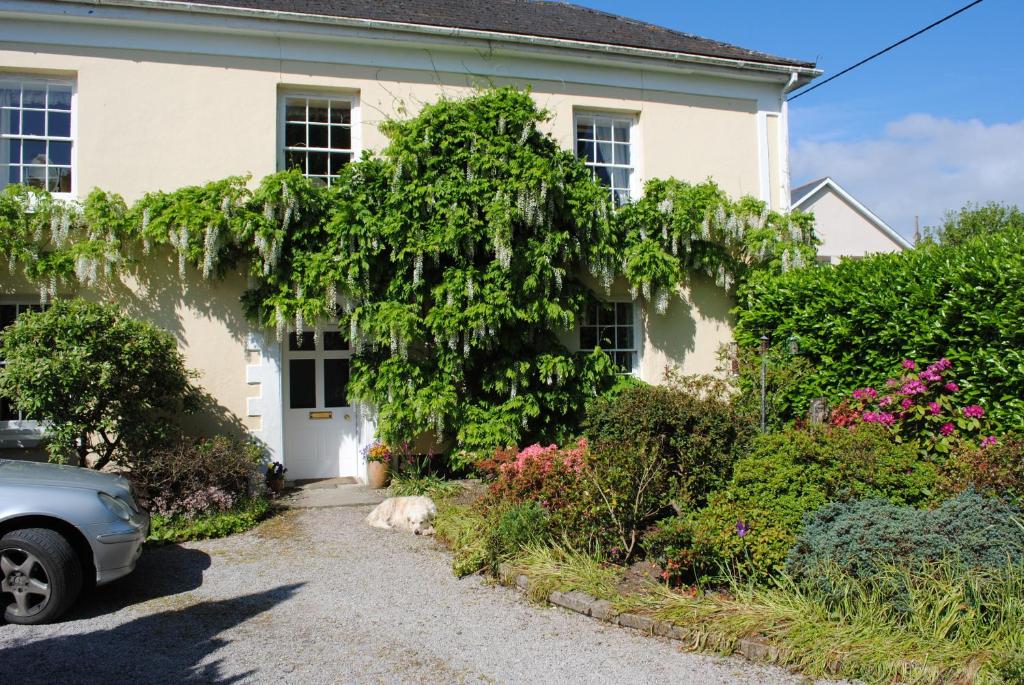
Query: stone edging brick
754 649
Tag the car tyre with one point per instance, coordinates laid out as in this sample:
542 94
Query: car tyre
40 575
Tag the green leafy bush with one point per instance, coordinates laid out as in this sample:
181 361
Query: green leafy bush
630 485
514 527
857 320
995 468
109 387
435 487
244 515
859 538
748 527
693 424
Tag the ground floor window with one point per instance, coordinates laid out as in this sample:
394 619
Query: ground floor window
611 326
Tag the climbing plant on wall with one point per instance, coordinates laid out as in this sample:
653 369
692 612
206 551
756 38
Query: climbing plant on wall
452 259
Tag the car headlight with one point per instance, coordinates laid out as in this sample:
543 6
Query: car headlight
116 506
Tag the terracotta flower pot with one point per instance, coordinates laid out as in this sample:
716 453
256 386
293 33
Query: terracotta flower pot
376 475
276 485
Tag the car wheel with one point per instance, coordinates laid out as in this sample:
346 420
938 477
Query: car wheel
40 575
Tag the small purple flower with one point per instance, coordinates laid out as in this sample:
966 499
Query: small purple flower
930 375
935 407
909 364
742 529
974 411
914 388
989 441
907 403
885 401
865 394
886 419
947 429
952 387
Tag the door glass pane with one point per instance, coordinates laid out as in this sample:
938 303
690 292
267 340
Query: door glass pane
302 383
301 344
336 383
335 340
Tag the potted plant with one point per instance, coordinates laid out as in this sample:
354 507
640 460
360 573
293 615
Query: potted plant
275 476
378 461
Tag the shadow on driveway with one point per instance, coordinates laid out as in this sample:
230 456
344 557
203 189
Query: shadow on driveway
164 647
161 571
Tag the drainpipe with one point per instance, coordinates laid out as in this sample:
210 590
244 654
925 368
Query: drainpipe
784 143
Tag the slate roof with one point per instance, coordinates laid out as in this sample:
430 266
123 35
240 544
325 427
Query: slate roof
541 18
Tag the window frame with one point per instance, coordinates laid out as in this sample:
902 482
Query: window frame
355 127
20 432
637 334
635 187
63 80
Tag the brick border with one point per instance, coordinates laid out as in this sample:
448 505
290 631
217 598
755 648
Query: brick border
752 648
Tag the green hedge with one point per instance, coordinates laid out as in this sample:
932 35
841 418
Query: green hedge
217 524
856 320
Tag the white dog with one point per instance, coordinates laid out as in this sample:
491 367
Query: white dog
413 514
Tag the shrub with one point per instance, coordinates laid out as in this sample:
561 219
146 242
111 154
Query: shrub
921 405
995 468
693 423
856 320
243 515
630 485
109 387
749 526
859 538
195 476
552 478
514 527
431 486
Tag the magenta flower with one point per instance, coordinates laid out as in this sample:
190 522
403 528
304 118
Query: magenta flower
865 394
742 529
909 364
914 388
907 403
952 387
973 411
935 407
930 375
885 401
990 440
886 419
947 429
942 365
891 383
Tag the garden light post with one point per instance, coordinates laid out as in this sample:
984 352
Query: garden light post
764 370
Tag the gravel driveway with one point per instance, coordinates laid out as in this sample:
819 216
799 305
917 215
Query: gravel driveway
316 596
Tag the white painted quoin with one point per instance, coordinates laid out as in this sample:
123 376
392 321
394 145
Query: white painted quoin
166 94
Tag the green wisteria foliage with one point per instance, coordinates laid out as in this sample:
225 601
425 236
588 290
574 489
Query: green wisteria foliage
452 258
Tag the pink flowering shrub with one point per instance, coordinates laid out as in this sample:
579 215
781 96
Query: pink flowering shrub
194 504
919 405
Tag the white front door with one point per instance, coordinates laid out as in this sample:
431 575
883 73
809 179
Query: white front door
321 431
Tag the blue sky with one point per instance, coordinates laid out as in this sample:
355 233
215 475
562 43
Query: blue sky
935 123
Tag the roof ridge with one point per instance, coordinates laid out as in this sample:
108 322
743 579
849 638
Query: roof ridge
649 25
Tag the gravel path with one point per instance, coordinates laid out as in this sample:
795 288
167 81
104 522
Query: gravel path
316 596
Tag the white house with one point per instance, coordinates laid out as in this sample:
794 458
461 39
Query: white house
135 96
845 227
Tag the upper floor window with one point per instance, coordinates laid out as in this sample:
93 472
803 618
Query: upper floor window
35 132
604 143
611 326
317 135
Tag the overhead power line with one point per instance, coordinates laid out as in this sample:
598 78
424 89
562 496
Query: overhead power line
794 96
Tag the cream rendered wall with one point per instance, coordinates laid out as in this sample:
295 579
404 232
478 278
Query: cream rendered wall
842 229
155 120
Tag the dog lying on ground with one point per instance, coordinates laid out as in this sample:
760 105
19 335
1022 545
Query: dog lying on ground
412 514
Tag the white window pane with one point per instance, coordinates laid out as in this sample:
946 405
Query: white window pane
604 131
622 153
59 97
604 153
10 93
318 110
620 178
33 123
58 124
295 110
622 131
341 113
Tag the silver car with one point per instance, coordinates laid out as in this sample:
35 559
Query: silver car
61 527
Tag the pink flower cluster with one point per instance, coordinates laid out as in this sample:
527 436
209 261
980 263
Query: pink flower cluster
546 456
194 504
882 417
973 411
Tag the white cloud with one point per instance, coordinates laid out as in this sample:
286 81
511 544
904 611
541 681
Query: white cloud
921 165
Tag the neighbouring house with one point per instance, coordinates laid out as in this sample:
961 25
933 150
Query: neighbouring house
845 227
143 95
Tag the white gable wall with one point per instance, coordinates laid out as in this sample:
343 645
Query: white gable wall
844 230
